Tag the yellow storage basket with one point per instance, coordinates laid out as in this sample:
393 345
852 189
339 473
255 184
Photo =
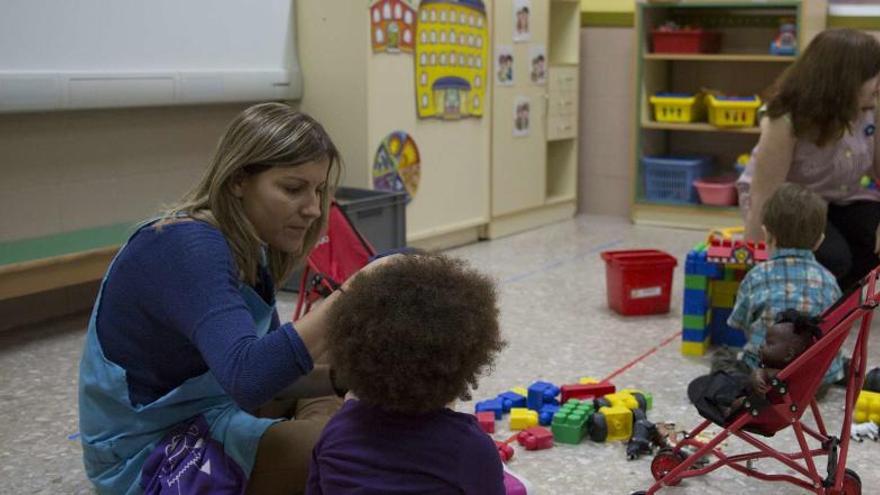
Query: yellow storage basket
733 112
678 107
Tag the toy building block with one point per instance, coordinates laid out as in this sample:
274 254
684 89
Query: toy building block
486 419
522 418
735 252
695 302
511 399
696 282
504 451
694 348
588 391
641 395
696 322
521 391
545 415
587 380
867 407
496 406
696 263
541 393
617 421
535 438
570 422
622 399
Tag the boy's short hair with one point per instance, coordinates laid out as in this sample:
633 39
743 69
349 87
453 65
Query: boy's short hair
413 335
795 217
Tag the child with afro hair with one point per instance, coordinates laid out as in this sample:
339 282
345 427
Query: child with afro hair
408 337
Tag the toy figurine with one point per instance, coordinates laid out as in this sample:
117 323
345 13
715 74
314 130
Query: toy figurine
786 41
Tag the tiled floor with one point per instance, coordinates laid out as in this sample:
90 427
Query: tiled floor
555 319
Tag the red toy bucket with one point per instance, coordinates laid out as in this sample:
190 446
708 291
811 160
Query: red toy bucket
638 282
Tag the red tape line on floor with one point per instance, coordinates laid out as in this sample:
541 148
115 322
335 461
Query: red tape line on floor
643 356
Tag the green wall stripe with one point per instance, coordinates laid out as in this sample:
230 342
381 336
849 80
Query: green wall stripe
607 19
64 243
866 23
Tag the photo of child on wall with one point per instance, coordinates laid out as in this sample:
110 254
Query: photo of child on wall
521 31
504 65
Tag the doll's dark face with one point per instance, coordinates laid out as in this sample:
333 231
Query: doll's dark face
782 345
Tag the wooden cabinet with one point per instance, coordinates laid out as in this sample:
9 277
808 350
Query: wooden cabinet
534 177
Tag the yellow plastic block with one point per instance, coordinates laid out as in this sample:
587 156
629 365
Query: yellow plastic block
620 422
722 300
694 348
522 418
587 380
867 407
623 399
521 391
729 287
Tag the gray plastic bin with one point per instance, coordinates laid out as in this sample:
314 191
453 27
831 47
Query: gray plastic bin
379 216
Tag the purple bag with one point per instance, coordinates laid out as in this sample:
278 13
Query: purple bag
189 461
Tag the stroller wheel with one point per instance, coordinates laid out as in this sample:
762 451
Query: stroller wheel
852 484
665 461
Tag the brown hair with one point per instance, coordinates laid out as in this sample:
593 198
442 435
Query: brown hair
262 136
821 89
795 217
414 334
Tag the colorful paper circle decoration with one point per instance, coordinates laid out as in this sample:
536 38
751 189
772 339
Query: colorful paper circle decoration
396 166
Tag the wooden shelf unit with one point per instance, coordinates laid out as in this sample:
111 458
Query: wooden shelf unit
743 67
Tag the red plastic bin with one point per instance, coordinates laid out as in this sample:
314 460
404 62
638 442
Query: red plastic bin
638 282
686 41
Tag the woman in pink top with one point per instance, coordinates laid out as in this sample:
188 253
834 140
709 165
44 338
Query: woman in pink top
819 131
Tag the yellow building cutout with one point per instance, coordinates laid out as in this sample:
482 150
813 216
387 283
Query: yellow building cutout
452 44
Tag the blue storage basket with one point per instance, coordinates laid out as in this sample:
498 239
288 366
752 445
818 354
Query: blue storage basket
670 179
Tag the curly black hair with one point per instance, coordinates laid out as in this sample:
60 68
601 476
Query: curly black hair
804 325
414 334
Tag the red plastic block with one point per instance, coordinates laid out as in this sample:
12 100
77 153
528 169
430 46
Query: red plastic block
504 450
588 391
487 421
535 438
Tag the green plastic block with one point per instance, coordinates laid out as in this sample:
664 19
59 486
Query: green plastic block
698 282
729 274
570 422
691 322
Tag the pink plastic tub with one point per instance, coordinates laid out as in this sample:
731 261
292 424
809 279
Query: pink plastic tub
719 191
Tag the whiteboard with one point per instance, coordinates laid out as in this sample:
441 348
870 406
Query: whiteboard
94 53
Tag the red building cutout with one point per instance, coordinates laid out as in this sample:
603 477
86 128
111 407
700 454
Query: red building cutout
392 26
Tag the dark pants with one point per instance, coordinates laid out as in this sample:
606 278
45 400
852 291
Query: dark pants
850 236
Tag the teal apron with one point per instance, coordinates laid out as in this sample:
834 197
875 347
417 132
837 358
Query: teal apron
117 437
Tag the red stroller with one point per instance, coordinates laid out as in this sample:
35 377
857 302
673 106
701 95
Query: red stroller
793 393
340 252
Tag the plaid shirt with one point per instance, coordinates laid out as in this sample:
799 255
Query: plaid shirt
790 279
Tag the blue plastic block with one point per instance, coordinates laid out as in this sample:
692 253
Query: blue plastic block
541 393
545 415
735 338
494 405
695 302
512 399
694 335
718 326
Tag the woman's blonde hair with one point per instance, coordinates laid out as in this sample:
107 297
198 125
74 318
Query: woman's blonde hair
261 137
